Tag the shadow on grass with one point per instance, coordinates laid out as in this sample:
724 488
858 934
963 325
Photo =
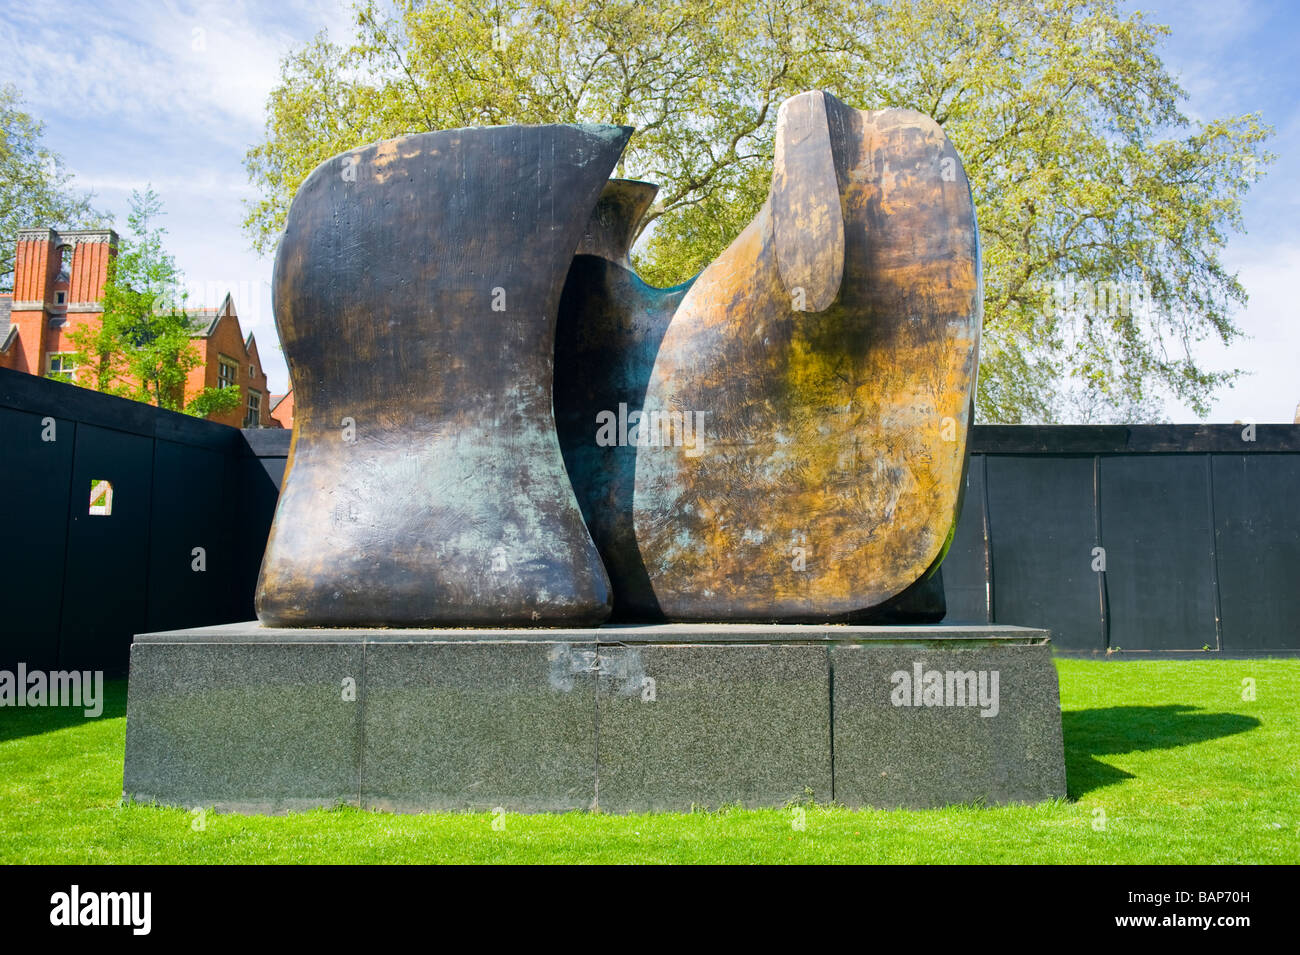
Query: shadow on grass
1113 730
17 722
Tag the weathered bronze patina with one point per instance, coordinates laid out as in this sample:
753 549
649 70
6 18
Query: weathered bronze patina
610 326
799 440
416 290
782 438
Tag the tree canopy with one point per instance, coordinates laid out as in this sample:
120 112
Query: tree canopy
1103 209
34 183
143 347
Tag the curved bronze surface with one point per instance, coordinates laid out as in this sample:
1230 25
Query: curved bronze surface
834 387
610 326
416 290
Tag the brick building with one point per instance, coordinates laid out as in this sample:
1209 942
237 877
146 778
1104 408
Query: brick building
228 359
282 409
59 285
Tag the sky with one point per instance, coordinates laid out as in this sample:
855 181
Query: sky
171 94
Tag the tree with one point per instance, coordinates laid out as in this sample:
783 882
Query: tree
142 348
33 184
1103 209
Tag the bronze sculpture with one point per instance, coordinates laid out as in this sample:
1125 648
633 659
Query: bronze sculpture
782 438
416 289
800 441
610 326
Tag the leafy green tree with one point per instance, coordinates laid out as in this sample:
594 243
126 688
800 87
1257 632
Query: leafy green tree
215 401
34 188
1103 209
142 348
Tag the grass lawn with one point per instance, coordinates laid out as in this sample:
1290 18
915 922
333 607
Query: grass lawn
1166 763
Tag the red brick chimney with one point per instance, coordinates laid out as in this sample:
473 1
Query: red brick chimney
46 304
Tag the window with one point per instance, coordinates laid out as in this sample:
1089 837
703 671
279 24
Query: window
60 298
254 417
227 372
61 366
252 371
101 498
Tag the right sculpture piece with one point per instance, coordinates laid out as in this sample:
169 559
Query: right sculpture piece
824 368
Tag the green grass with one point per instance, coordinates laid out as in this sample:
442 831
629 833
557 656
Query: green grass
1182 768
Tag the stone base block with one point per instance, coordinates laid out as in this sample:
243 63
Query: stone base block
632 718
932 727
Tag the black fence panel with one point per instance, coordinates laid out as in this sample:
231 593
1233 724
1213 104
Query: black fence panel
1042 519
1197 528
259 482
966 568
1257 541
195 566
1159 549
35 482
108 555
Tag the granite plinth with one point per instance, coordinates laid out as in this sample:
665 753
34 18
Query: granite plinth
479 725
706 725
619 718
246 727
979 725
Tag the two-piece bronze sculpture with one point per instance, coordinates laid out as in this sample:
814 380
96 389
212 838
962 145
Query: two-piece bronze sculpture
500 426
781 439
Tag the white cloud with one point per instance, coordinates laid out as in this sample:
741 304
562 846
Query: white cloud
171 96
201 66
1272 352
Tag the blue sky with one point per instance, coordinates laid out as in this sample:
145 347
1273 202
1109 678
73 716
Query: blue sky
172 94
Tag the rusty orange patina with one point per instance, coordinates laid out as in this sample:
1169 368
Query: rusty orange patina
834 359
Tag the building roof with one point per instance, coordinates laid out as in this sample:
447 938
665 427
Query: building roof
203 321
276 399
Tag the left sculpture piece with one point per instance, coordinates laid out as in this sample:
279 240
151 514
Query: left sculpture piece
416 291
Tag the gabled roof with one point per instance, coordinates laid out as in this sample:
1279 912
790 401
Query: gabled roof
276 399
203 321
